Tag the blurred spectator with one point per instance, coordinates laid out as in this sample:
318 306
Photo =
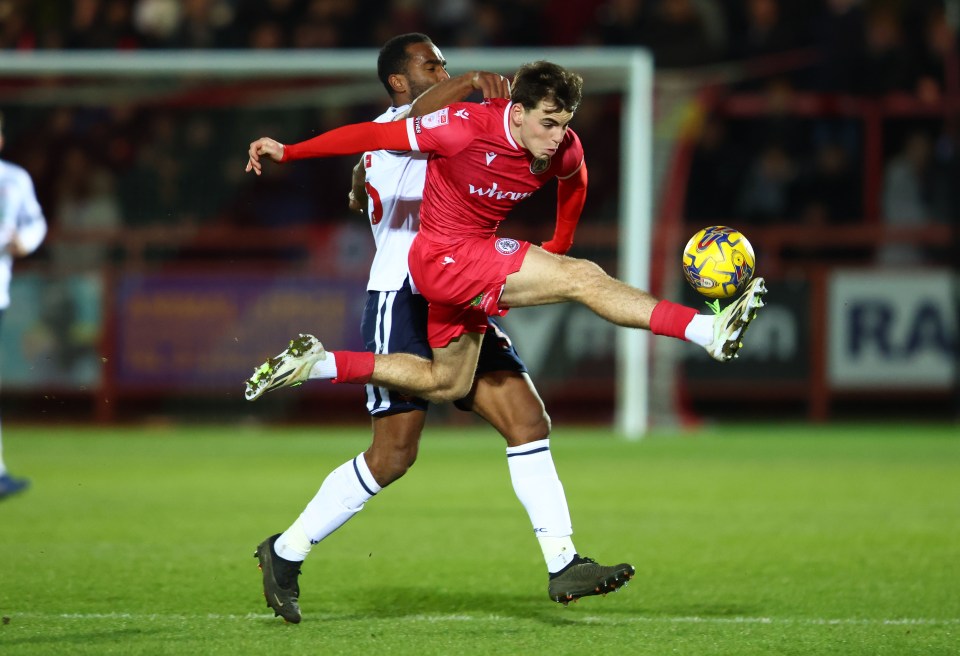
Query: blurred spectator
784 163
946 173
621 23
443 21
597 122
278 18
839 34
203 24
101 24
886 65
766 30
778 123
266 36
153 193
275 199
715 174
569 22
484 28
327 24
17 30
767 192
828 189
906 195
86 203
935 63
679 34
204 186
157 20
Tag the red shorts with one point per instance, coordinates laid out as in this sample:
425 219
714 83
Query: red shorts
463 282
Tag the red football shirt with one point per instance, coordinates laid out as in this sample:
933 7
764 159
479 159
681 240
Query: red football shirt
477 173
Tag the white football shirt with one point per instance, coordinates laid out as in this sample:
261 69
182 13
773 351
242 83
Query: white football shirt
20 213
394 191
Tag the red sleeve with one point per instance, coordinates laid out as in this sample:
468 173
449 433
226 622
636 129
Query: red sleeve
571 195
450 129
353 139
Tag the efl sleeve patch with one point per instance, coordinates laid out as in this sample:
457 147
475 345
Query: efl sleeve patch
436 119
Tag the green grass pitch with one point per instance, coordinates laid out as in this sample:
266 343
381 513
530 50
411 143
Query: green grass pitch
746 539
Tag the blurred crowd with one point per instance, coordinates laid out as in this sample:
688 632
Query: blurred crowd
872 45
141 165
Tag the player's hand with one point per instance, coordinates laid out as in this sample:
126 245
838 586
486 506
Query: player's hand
358 191
263 146
356 204
491 85
15 247
554 246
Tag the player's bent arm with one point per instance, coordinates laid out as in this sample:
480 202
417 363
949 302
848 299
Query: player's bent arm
458 88
29 234
358 191
571 195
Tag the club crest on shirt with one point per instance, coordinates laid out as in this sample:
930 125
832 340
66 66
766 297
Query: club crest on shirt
539 165
507 246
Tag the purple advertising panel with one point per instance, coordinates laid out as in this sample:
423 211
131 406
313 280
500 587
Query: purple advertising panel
208 331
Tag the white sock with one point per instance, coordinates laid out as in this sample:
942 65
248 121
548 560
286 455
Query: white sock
558 552
325 369
700 329
539 489
341 496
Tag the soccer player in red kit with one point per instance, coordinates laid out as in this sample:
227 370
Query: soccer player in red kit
413 71
483 161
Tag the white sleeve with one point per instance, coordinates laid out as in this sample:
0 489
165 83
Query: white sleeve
31 225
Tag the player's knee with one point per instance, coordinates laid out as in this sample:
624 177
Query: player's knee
532 427
389 464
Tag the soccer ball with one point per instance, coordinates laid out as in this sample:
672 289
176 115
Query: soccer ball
718 261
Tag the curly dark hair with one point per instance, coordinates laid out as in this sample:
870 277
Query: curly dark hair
543 80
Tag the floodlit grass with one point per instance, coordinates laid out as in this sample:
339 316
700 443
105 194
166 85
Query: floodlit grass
747 540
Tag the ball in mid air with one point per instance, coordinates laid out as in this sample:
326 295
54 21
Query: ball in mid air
718 261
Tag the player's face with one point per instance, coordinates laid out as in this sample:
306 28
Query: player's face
426 66
541 129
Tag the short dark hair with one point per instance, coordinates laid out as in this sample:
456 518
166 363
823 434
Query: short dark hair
543 80
393 56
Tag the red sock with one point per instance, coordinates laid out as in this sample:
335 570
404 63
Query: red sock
353 366
671 319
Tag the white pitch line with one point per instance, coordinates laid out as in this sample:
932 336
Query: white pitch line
586 619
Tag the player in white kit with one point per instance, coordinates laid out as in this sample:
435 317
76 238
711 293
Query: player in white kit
22 229
395 320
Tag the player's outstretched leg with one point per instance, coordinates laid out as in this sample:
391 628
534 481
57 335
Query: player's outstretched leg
287 369
732 322
584 577
280 586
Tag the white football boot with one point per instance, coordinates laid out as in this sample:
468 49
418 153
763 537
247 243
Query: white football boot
287 369
732 322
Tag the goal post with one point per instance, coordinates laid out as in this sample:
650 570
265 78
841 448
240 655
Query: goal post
349 78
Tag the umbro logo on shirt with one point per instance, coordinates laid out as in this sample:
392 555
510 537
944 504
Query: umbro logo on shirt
490 157
462 113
